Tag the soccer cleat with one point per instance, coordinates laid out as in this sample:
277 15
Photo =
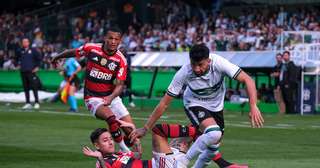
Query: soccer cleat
73 110
27 106
36 106
237 166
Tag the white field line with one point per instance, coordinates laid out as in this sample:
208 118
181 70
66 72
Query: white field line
164 118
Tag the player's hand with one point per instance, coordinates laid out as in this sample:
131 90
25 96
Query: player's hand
137 148
137 133
34 70
256 117
126 124
88 152
107 100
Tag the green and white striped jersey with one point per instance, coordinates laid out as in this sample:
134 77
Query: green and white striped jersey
208 90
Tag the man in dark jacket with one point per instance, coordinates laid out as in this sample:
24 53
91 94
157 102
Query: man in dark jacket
289 83
29 61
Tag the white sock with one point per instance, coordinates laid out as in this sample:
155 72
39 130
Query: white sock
205 157
123 146
211 136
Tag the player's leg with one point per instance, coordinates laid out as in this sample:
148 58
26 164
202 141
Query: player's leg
212 133
163 154
25 84
99 110
72 99
122 113
35 84
205 157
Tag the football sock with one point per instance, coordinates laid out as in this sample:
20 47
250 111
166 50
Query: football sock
114 127
73 102
211 136
174 130
205 157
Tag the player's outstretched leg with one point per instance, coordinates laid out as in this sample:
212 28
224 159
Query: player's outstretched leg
210 137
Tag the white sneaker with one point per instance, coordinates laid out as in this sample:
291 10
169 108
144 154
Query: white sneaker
132 104
27 106
36 106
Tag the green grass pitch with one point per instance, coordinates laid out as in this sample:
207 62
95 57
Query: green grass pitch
52 138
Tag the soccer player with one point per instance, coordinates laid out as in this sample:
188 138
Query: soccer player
105 75
203 101
165 155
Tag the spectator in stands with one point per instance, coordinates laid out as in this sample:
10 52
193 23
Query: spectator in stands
29 61
276 90
288 82
2 58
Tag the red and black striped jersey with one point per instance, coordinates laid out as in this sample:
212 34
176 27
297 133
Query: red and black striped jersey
101 69
124 160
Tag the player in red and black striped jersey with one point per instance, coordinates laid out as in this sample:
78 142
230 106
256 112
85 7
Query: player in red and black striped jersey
165 155
106 70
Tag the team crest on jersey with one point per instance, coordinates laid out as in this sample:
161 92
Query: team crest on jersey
201 114
103 61
112 66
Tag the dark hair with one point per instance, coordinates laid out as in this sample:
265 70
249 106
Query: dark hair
199 52
279 54
286 52
115 29
96 133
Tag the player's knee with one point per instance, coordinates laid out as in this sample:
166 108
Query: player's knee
213 135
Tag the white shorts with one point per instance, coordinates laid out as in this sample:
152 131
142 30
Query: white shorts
162 160
116 106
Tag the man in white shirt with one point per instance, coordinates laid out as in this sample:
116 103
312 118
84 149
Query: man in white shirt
203 101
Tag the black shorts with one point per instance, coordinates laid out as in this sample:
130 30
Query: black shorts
197 114
75 82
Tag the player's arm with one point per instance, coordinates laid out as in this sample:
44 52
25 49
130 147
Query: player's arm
255 114
119 84
156 114
75 72
65 54
95 154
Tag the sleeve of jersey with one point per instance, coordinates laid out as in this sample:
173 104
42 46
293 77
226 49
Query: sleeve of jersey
122 73
177 83
82 51
227 67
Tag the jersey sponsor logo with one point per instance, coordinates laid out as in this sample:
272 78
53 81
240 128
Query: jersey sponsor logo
103 61
100 75
112 66
124 159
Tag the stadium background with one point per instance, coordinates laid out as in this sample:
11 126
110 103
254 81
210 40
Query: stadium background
51 137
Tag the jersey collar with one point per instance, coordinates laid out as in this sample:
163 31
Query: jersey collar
105 52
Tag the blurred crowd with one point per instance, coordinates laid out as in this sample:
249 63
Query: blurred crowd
174 28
